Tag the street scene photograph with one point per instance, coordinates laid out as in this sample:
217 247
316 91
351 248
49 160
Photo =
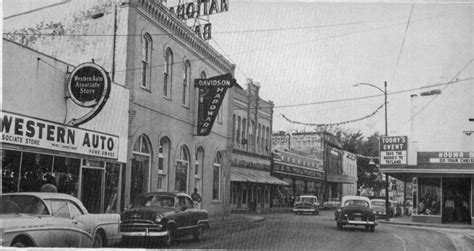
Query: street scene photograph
234 124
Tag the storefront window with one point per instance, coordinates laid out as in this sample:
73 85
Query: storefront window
140 167
10 170
112 179
66 172
35 170
216 170
430 194
182 167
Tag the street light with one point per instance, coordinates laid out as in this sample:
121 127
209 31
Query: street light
384 91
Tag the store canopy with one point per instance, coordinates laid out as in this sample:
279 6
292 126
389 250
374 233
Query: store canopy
238 174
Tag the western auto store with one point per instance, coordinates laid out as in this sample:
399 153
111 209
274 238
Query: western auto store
41 144
443 185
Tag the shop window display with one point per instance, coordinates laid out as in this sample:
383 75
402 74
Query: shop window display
429 191
66 173
112 179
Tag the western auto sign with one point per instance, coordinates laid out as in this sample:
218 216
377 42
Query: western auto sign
211 95
26 131
88 85
393 150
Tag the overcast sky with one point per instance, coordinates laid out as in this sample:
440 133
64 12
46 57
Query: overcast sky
308 51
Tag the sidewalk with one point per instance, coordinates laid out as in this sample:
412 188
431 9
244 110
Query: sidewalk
407 221
217 221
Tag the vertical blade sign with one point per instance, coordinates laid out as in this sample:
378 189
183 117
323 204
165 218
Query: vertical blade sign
211 95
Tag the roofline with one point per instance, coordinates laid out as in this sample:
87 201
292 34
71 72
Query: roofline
39 52
37 9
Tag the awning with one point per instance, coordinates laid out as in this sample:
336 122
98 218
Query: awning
255 176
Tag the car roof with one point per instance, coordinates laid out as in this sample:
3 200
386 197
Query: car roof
308 196
377 200
353 197
166 193
44 195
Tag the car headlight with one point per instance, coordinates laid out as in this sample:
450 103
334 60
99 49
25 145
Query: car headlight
159 218
339 210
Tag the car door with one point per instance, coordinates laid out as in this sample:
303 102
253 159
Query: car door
182 216
67 232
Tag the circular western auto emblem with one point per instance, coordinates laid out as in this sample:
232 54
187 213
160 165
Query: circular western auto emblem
88 85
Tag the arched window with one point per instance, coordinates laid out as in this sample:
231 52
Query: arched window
182 167
233 127
216 176
244 129
238 129
141 161
146 60
199 163
186 82
163 162
167 81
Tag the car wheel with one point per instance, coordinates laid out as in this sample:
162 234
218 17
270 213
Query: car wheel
98 241
170 238
339 226
317 212
19 244
198 233
372 229
367 227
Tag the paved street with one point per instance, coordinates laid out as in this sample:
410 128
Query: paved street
297 232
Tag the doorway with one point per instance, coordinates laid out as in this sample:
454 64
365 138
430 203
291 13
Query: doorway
92 179
456 200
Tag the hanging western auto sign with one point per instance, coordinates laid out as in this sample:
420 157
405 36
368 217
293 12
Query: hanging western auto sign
26 131
211 95
393 150
88 85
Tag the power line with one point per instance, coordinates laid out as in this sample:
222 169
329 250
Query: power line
403 42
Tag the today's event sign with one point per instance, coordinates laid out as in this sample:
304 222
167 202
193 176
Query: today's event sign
393 150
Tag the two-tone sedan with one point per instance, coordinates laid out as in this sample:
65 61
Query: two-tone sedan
306 204
53 220
165 216
357 211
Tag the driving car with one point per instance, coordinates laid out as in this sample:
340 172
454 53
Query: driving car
332 203
306 204
54 220
164 216
357 211
378 205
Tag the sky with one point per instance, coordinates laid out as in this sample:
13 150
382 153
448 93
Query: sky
307 55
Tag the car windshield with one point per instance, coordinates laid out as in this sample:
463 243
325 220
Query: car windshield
305 200
22 204
378 203
153 200
334 199
356 203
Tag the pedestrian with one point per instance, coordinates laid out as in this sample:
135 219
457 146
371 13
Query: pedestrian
196 198
49 186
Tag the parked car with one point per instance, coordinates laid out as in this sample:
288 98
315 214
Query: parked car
378 205
165 216
54 220
355 210
396 208
332 203
306 204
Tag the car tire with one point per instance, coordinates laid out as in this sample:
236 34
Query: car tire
98 241
339 226
367 228
198 233
372 229
170 238
19 244
317 212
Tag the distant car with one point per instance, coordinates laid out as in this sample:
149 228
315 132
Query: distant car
378 205
54 220
357 211
332 203
165 216
306 204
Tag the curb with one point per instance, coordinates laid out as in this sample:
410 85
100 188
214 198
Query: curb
425 225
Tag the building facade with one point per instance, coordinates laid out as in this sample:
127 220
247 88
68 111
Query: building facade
349 167
40 146
252 185
156 56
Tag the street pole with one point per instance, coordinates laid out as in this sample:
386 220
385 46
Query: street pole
387 206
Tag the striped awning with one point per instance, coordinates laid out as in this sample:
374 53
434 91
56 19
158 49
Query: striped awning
238 174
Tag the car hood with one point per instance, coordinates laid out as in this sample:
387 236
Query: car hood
145 213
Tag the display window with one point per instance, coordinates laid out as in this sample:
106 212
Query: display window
429 200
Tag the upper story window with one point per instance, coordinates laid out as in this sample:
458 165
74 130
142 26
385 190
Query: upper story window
244 126
238 129
167 81
233 127
146 60
186 82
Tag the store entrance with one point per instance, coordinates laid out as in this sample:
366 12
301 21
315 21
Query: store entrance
456 206
92 189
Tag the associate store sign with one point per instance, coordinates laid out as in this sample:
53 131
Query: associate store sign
26 131
88 85
393 150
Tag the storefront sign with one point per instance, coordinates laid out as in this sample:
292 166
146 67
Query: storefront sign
88 85
26 131
315 174
211 94
465 158
250 165
393 150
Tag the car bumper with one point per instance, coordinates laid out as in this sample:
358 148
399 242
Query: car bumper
357 222
145 234
304 209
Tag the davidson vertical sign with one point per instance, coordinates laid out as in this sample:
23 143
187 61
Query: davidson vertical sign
211 95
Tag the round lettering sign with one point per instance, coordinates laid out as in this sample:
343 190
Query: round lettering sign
88 85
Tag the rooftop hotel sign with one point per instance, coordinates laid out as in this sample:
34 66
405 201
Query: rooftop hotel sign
26 131
393 150
211 95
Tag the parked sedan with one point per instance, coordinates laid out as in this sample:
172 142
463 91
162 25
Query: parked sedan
53 220
355 210
306 204
332 203
165 216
